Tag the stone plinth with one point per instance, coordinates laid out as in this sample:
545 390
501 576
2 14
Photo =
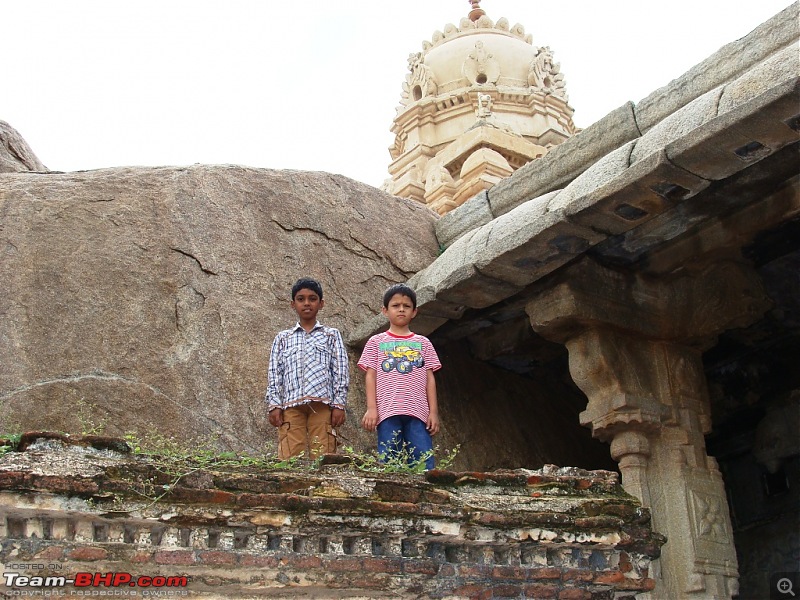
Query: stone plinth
555 532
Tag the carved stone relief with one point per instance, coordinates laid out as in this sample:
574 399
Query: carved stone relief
545 74
484 106
480 66
420 81
714 552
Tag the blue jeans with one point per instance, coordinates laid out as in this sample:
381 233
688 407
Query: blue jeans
399 431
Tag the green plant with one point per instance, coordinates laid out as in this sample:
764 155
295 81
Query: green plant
173 459
9 442
85 414
399 460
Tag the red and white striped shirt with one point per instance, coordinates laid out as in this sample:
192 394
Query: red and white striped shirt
401 364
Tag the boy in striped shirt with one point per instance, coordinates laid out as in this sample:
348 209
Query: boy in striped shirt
401 389
308 379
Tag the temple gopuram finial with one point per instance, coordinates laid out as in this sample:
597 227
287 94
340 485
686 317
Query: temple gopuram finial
477 12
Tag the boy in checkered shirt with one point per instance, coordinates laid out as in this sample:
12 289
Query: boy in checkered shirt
308 379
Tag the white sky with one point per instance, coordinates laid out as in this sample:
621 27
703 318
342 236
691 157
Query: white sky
302 84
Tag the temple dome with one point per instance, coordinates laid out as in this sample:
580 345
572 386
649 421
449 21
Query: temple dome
481 85
481 57
487 55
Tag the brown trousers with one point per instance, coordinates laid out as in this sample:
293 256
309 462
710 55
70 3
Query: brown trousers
306 430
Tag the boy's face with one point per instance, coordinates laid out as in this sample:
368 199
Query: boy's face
306 304
400 310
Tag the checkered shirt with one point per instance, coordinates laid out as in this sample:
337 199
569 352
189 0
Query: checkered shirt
308 367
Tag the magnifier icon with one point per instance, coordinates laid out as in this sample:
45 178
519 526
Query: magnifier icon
785 586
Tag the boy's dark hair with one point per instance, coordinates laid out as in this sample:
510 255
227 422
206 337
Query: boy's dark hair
306 283
403 290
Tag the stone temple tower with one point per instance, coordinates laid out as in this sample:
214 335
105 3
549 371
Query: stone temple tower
478 102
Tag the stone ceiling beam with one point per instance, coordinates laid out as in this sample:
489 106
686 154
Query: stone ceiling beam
692 308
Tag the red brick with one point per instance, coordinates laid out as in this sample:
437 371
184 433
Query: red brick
343 563
395 492
383 565
301 561
506 572
545 573
577 575
446 570
12 480
50 553
203 496
174 557
260 500
497 520
87 553
625 565
481 571
29 437
473 592
506 591
435 497
249 560
574 594
142 556
609 577
540 591
214 557
422 565
57 483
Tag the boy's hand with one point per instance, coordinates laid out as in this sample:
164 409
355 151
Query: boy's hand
370 420
337 417
433 423
276 417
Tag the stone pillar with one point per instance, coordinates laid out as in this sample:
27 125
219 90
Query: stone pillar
635 349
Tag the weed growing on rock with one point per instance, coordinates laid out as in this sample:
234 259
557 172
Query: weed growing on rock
400 460
173 460
9 442
86 417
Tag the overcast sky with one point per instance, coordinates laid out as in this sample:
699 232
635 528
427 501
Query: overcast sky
309 85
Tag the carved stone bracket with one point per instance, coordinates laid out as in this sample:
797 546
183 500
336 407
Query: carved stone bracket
636 383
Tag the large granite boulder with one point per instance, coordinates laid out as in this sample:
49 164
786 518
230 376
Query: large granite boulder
148 297
15 153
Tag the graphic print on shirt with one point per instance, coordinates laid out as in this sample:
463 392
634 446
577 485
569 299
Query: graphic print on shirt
401 355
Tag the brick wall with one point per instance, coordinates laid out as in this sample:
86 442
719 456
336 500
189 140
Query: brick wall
330 533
